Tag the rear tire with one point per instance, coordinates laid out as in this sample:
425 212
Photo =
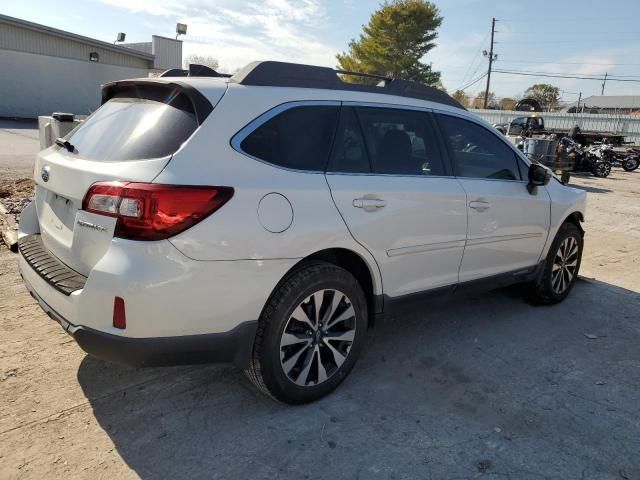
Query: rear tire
630 164
310 334
561 267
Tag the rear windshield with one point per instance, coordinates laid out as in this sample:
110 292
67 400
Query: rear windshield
129 128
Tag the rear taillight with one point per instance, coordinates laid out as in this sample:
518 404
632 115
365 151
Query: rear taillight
149 211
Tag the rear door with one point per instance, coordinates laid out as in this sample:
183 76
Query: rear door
508 226
131 137
395 193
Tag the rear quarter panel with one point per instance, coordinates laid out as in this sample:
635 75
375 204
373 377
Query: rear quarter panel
234 232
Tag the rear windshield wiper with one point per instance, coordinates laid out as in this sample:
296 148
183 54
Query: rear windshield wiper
61 142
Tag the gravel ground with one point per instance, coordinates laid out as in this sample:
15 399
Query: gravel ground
484 386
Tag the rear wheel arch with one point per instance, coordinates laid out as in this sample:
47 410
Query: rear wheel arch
354 264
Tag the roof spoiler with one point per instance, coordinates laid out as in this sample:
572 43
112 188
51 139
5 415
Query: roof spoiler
175 93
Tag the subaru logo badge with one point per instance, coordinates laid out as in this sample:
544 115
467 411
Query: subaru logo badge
45 174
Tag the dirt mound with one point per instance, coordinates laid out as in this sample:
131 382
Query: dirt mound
16 194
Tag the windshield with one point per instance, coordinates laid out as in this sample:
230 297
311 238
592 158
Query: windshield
134 129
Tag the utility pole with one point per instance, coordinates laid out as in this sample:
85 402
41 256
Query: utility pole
491 59
579 98
603 83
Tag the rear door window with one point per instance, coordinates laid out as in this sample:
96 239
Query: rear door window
400 141
477 152
349 153
299 138
134 128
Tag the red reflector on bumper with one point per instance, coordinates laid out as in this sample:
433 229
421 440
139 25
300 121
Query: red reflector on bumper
119 315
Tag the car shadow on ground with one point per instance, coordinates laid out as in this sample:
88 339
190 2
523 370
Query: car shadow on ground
590 189
483 383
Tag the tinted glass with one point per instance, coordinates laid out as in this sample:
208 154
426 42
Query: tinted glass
400 142
298 138
476 152
349 152
133 129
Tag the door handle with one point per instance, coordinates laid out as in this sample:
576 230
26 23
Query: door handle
479 205
369 204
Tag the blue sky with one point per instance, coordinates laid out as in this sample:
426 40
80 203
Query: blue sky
566 36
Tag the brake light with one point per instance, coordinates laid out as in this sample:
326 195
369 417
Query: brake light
149 211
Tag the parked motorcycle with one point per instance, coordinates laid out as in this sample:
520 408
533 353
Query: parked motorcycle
629 160
632 160
587 159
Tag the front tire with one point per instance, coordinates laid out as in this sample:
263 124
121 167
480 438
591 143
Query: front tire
602 169
310 334
561 267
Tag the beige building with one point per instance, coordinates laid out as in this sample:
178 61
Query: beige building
45 70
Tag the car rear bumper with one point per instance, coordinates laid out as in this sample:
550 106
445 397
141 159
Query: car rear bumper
234 346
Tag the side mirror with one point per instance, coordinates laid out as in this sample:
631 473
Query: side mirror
538 176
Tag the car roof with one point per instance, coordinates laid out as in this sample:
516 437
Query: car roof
295 75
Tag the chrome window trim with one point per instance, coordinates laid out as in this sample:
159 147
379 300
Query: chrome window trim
494 132
261 119
393 106
370 174
245 131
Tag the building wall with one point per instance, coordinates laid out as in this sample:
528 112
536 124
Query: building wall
167 51
32 84
13 37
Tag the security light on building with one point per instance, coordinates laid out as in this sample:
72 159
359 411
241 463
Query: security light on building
181 29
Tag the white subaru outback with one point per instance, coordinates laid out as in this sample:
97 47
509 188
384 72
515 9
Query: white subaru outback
268 218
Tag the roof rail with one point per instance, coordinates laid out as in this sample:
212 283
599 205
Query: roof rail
365 75
283 74
195 70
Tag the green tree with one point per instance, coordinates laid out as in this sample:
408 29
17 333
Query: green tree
547 95
395 41
462 98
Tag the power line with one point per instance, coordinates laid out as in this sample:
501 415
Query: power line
550 62
475 72
596 76
575 77
534 42
473 82
472 62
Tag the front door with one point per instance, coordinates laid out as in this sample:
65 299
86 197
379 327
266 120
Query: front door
397 197
508 226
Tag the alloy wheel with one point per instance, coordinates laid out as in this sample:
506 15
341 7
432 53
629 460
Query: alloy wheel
565 265
603 169
317 337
